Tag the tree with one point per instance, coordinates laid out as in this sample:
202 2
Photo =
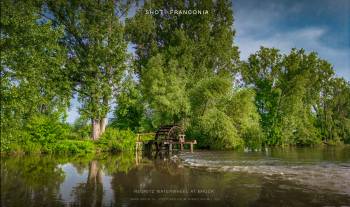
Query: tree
262 71
211 123
186 65
333 111
165 92
174 53
129 110
94 36
34 78
241 109
288 89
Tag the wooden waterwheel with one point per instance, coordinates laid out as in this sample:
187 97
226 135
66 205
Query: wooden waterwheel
167 134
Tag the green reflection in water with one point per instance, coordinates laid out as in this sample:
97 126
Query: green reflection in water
36 180
30 180
128 179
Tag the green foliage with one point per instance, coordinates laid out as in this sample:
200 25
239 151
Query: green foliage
241 109
262 70
46 134
295 98
199 45
34 78
129 110
81 129
114 140
147 137
17 142
224 117
215 130
74 147
333 111
94 36
46 130
174 54
208 93
165 92
183 73
29 147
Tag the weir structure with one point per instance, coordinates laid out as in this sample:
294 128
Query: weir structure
167 137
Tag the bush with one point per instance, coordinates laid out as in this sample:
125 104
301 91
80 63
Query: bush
18 142
114 140
5 145
73 147
12 140
45 134
46 129
31 147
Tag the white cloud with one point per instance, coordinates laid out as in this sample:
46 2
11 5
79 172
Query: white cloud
257 29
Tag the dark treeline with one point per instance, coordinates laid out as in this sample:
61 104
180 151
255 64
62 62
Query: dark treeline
184 69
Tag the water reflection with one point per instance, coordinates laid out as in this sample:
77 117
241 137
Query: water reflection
203 178
30 181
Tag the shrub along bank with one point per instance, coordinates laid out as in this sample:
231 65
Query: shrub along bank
47 135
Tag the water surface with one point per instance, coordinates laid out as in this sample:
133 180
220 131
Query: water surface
273 177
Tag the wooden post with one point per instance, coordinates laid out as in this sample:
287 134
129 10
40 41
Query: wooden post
191 147
136 156
182 141
170 147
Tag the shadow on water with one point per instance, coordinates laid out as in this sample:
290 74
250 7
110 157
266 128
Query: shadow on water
276 177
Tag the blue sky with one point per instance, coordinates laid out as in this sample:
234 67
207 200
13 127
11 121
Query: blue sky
315 25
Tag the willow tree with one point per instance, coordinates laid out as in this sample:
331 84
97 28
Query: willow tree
94 35
186 66
174 52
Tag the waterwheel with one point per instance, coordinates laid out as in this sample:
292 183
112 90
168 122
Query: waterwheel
167 133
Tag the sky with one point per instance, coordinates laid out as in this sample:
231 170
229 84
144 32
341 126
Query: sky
322 26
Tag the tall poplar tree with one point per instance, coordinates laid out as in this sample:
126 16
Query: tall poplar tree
94 35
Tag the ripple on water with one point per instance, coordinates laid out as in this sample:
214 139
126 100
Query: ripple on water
318 175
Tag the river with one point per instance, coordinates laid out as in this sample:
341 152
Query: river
271 177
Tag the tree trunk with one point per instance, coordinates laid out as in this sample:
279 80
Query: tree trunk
104 120
96 129
103 124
